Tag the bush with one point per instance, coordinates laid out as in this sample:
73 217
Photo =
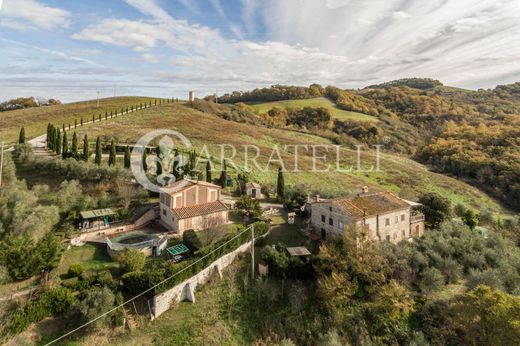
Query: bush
75 270
53 301
191 239
131 260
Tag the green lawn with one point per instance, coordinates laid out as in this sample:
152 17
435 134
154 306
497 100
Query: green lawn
93 257
337 113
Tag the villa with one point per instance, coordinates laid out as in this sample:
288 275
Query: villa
382 215
191 204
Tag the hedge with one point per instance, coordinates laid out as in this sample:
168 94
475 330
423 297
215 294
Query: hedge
137 282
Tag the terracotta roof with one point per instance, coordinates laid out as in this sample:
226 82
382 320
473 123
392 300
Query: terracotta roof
184 184
253 185
369 204
199 210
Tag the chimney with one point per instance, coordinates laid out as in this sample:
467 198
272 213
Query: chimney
364 189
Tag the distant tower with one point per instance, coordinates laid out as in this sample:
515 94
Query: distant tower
191 96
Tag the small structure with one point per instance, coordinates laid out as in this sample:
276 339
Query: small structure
263 269
95 219
298 251
177 250
191 96
290 218
253 190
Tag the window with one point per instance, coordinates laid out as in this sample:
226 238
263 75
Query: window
331 222
323 218
387 221
395 235
330 208
396 219
164 212
388 238
341 226
403 217
403 233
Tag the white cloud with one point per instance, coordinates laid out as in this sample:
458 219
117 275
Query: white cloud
400 15
31 15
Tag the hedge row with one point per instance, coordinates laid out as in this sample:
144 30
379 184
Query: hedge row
137 282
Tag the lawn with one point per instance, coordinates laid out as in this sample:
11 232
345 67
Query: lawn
35 119
337 113
93 257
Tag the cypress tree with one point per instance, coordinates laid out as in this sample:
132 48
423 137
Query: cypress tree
155 102
99 116
93 118
112 156
223 175
57 143
106 115
65 149
145 164
63 127
127 157
81 122
176 172
86 149
75 123
47 140
150 104
52 138
208 172
21 137
280 185
159 161
97 158
74 148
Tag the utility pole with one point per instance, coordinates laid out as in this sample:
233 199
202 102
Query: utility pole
253 252
216 95
1 163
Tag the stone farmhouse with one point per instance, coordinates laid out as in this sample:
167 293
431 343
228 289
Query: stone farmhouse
191 204
381 215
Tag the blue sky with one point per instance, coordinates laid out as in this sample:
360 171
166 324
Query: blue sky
71 49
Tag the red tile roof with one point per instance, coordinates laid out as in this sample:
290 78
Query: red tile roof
199 210
369 204
184 184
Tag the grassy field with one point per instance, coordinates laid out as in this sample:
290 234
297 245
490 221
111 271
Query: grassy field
35 119
403 176
337 113
93 257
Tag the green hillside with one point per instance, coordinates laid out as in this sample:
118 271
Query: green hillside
337 113
35 119
398 173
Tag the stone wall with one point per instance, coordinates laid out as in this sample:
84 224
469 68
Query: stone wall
185 290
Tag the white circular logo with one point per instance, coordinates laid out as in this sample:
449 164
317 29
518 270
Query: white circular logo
164 157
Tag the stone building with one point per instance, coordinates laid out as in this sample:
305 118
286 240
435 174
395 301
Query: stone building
381 215
191 204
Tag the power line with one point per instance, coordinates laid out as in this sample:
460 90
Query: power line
151 288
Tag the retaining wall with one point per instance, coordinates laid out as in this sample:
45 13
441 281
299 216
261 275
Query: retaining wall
185 290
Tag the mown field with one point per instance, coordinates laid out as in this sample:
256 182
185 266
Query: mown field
336 112
35 119
405 177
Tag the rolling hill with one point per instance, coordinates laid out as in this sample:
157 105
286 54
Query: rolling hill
337 113
398 173
35 119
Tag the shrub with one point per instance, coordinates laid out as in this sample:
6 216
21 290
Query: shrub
56 300
75 270
131 260
191 240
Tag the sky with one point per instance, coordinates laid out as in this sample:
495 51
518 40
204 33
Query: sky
72 49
